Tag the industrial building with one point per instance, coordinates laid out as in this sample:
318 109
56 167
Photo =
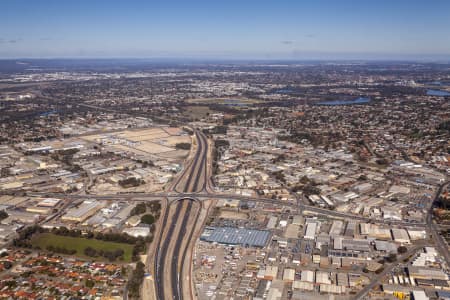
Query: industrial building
289 275
269 273
427 273
81 213
137 231
49 202
310 233
400 235
307 276
236 236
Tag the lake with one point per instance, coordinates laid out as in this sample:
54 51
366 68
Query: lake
360 100
284 91
438 93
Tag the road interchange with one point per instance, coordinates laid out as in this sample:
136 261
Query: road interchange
184 201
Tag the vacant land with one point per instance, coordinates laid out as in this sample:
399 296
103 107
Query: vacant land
229 214
79 244
149 141
197 112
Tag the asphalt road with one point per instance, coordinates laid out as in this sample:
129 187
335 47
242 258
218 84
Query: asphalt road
387 269
170 246
174 196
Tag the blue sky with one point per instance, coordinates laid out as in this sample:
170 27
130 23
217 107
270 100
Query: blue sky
276 29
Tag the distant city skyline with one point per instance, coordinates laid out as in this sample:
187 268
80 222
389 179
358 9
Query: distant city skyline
295 30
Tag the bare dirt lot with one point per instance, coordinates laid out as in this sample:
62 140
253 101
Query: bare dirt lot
156 141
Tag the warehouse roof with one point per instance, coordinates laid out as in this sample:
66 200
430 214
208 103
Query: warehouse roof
236 236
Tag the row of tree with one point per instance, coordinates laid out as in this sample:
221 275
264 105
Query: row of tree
183 146
62 250
139 243
107 236
135 281
24 238
131 182
219 146
110 255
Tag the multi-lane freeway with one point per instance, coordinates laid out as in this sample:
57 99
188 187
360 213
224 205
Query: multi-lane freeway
193 177
178 225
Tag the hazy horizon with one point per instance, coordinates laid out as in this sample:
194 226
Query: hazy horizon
256 30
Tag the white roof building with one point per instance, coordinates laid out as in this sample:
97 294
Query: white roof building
310 233
419 295
323 277
307 276
303 285
289 275
137 231
400 235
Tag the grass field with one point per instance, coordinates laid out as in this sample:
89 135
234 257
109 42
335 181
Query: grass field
79 244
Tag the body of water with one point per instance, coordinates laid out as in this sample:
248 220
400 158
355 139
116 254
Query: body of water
360 100
438 93
284 91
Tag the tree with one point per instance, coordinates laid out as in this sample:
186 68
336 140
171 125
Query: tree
221 143
123 271
89 283
136 280
279 175
279 158
309 189
7 264
131 182
362 177
402 250
155 206
183 146
140 208
304 179
3 214
148 219
89 251
391 258
4 172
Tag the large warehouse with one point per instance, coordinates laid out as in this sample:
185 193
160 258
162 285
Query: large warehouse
236 236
